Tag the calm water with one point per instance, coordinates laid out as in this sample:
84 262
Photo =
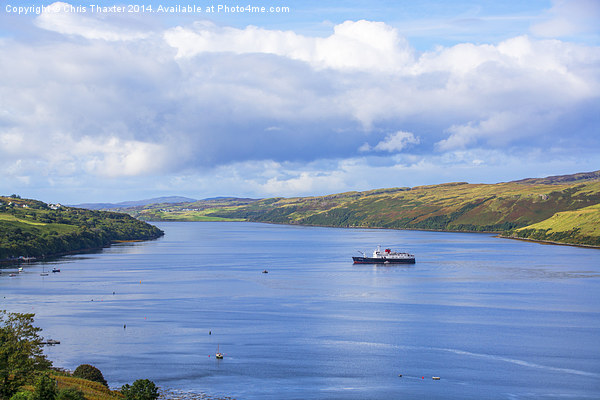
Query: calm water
494 318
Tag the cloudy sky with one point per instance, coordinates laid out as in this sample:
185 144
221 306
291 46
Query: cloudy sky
101 105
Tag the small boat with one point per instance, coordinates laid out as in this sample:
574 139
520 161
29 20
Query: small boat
51 342
385 257
55 270
20 269
44 273
265 272
218 355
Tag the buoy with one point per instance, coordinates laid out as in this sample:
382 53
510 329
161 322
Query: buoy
422 377
400 375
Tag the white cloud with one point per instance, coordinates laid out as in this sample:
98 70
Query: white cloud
354 45
393 143
497 128
113 157
569 17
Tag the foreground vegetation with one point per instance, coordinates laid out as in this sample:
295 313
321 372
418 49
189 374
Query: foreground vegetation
26 373
31 228
559 209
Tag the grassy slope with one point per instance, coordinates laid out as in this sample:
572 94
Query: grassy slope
573 227
91 390
454 207
32 225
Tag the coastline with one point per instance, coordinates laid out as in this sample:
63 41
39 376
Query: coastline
46 257
588 246
499 234
176 394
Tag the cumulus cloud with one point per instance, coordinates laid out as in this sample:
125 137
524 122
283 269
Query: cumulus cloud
115 157
354 45
280 109
393 143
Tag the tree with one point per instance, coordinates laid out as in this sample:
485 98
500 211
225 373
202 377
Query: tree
22 396
69 394
45 388
91 373
142 389
21 353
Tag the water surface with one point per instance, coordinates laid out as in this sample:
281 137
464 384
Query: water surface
493 318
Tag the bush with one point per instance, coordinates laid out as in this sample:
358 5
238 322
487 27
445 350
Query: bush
22 396
45 388
91 373
68 394
142 389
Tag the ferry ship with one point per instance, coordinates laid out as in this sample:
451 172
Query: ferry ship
385 257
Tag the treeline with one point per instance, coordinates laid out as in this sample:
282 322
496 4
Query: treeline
30 228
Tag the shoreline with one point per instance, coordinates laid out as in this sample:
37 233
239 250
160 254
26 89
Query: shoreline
49 257
18 261
586 246
497 234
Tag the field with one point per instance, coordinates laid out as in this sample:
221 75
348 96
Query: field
581 226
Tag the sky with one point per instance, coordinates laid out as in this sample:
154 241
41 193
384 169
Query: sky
107 101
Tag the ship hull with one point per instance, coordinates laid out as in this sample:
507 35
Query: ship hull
382 260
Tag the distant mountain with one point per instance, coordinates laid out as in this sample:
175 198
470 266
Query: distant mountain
137 203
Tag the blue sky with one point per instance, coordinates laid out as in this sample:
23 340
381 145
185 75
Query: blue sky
325 98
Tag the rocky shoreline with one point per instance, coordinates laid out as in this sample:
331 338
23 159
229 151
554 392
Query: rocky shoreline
175 394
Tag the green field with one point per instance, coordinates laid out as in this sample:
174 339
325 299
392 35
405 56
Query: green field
580 226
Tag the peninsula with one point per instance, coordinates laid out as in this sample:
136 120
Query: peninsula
31 229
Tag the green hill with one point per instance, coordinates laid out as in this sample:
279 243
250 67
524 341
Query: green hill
502 207
31 228
580 226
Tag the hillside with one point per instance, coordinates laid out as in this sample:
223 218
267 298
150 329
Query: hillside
31 228
580 226
502 207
